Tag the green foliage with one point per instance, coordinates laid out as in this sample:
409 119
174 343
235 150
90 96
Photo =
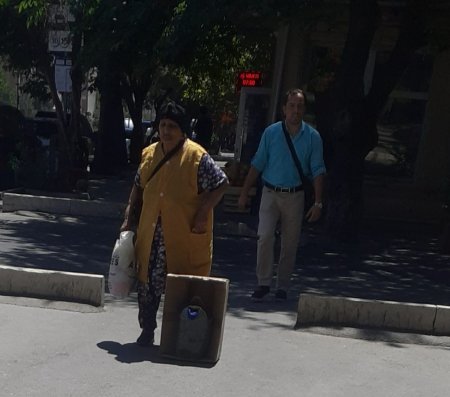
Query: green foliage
125 33
203 43
6 93
23 43
206 46
36 87
210 78
33 10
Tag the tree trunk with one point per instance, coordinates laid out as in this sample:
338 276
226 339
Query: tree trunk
110 151
344 126
346 173
134 93
347 119
80 152
64 155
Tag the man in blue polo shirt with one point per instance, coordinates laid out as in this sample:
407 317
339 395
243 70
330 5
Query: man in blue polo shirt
283 197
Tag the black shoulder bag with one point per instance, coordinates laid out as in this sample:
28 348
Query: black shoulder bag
166 157
307 185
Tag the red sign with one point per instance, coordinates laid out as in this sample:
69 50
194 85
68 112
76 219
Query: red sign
249 79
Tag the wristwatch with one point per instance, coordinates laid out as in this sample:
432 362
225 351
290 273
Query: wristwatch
320 205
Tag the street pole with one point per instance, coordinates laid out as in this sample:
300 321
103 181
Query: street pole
282 37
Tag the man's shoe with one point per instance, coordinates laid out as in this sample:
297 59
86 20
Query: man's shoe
281 295
260 293
146 338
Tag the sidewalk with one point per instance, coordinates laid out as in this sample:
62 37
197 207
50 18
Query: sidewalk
393 261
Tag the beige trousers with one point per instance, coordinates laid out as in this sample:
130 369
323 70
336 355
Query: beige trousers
288 209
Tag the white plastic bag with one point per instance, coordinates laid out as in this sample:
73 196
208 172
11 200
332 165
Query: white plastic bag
122 271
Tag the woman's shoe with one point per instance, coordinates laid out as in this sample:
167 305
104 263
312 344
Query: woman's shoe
146 338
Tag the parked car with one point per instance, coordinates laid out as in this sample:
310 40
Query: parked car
128 124
85 126
147 129
46 121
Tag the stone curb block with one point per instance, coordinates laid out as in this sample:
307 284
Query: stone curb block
65 206
56 285
321 310
442 323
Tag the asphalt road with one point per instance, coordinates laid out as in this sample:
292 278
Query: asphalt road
53 353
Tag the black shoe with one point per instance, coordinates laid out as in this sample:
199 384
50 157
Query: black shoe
260 293
146 338
281 295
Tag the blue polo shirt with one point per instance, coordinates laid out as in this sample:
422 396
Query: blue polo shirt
274 160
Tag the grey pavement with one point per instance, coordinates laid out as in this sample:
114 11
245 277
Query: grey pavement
81 350
53 353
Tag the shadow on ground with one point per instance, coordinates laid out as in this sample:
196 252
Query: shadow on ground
391 262
130 353
57 242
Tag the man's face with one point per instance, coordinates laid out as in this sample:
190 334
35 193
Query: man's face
294 109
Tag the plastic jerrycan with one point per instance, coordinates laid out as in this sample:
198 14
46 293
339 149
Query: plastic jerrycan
193 331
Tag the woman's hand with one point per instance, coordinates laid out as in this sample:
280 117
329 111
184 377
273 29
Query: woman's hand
133 209
126 225
200 222
209 200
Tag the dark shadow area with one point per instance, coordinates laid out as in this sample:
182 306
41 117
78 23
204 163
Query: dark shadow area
112 188
391 261
58 242
393 338
130 353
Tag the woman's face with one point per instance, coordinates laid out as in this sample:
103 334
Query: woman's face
170 133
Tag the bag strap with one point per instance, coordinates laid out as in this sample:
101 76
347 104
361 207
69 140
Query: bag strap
293 153
166 157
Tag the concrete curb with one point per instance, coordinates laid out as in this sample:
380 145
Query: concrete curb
326 310
66 206
49 284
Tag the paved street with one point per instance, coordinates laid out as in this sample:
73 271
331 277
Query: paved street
47 352
56 349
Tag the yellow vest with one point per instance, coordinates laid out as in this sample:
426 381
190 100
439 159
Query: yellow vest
172 192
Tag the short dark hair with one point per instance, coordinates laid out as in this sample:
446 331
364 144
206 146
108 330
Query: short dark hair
294 91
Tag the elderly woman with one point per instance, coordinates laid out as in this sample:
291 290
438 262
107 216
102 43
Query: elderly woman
175 190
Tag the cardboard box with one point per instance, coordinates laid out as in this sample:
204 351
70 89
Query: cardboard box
180 290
